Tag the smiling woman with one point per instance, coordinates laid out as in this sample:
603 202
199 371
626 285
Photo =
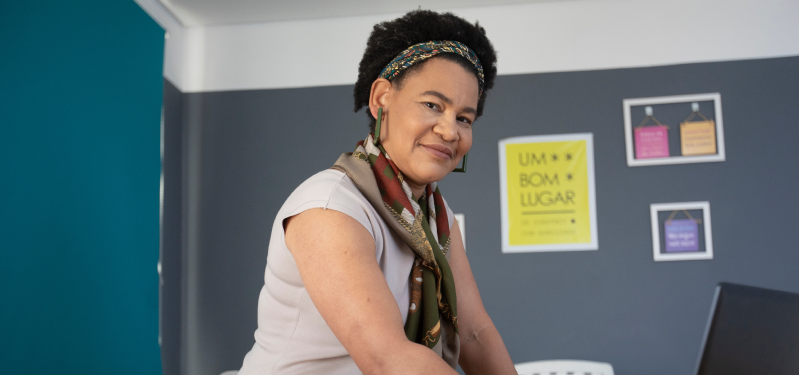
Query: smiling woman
434 110
366 271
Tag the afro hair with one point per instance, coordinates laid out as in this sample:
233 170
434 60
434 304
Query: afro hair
390 38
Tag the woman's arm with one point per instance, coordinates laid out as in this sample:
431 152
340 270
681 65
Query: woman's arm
482 349
336 258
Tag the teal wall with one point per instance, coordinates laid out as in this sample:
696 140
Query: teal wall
80 101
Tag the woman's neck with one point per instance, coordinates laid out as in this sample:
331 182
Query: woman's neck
416 189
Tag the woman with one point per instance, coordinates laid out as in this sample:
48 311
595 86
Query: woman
366 271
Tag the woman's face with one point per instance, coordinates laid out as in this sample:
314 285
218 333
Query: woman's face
427 125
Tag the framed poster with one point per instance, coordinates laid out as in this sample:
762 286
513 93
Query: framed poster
548 193
461 218
681 231
676 129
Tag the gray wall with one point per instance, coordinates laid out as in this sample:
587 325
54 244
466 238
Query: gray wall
615 304
171 280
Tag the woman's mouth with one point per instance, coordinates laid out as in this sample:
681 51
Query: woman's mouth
439 151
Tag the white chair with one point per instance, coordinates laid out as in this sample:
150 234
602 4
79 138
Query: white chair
564 367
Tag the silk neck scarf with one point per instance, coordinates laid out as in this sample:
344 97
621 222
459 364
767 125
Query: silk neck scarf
432 315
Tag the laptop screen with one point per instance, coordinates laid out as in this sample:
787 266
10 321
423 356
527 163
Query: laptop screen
751 331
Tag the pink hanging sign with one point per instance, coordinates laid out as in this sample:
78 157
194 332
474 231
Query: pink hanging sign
651 142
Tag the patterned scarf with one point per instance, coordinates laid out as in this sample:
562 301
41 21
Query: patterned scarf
432 315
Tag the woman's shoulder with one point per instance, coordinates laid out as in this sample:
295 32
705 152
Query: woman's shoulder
328 185
329 189
320 184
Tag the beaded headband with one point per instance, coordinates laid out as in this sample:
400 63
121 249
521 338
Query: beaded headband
423 51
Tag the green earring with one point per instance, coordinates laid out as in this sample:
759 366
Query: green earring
462 169
377 126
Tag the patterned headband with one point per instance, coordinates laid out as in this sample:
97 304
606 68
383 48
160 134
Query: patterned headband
423 51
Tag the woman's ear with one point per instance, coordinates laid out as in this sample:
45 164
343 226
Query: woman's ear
379 96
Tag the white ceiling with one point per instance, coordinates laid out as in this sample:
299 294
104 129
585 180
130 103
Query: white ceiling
223 12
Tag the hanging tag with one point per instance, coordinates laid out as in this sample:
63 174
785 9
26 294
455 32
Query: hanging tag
682 235
698 137
651 142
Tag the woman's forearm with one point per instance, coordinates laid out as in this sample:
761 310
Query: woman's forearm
407 358
482 349
484 352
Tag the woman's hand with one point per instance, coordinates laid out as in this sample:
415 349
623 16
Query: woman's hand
336 259
482 349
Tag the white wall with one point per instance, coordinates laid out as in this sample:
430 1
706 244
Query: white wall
529 38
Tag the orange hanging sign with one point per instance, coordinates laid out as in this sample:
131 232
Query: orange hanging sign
698 137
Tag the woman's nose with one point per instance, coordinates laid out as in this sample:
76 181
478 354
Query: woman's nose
447 128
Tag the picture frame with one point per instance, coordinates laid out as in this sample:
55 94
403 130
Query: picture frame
461 218
554 225
681 243
688 100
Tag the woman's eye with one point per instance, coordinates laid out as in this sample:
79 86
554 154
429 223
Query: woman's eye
465 120
431 105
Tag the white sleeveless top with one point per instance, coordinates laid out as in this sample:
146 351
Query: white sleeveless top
292 337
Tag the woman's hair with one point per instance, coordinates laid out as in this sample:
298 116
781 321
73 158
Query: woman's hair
390 38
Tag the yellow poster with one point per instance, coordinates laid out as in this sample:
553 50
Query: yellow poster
547 188
698 137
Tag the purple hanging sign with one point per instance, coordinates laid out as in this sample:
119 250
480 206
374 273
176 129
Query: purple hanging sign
681 236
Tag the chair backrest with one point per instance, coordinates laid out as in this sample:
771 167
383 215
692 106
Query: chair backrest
564 367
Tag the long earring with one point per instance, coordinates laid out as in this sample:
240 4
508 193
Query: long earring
376 140
462 169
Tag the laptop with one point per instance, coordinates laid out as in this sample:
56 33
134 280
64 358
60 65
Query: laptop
751 331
